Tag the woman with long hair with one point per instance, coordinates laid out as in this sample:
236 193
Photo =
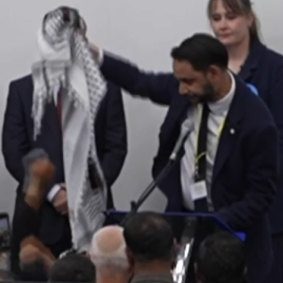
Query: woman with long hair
235 24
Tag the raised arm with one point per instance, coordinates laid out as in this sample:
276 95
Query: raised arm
158 87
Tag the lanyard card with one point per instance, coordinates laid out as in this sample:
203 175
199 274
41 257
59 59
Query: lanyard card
199 190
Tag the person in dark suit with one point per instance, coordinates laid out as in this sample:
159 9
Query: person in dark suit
234 23
17 141
241 158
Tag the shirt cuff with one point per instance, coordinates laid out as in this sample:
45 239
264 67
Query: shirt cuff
53 192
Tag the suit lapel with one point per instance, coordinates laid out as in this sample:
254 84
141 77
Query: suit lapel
253 61
182 104
50 127
230 132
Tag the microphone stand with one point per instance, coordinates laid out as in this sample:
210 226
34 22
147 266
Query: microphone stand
135 205
175 156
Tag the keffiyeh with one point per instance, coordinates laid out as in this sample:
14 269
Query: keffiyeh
67 67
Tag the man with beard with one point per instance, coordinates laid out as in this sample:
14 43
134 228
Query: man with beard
229 165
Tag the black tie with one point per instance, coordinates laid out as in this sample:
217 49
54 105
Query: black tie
200 174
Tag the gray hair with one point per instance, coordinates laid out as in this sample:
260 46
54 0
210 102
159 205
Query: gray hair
108 248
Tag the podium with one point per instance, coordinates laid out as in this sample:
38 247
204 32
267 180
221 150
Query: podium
189 229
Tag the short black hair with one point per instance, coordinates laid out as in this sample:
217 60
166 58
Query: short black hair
221 259
201 51
34 271
72 268
149 237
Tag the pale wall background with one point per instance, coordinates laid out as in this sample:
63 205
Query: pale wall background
143 31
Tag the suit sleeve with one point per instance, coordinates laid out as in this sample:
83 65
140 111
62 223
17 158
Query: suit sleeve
15 143
157 87
261 180
115 135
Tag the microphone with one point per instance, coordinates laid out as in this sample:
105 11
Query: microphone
186 128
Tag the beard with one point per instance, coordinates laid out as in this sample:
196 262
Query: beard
205 96
208 93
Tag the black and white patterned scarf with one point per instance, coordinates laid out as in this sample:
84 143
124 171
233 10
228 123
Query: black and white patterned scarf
67 66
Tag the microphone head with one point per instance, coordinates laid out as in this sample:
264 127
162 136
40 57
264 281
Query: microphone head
187 126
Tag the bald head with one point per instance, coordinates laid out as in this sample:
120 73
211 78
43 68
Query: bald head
108 248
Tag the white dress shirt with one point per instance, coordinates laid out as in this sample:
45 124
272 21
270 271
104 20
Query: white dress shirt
216 121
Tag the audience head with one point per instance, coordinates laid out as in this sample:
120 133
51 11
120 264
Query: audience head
35 260
149 238
33 270
220 259
72 268
233 21
200 65
108 253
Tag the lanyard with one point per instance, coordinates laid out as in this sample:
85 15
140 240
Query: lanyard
203 154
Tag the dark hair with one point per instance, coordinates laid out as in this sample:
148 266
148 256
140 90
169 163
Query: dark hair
221 259
239 7
34 271
72 268
202 51
149 237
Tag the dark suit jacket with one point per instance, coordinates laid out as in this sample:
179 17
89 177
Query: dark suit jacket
264 70
17 140
246 166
